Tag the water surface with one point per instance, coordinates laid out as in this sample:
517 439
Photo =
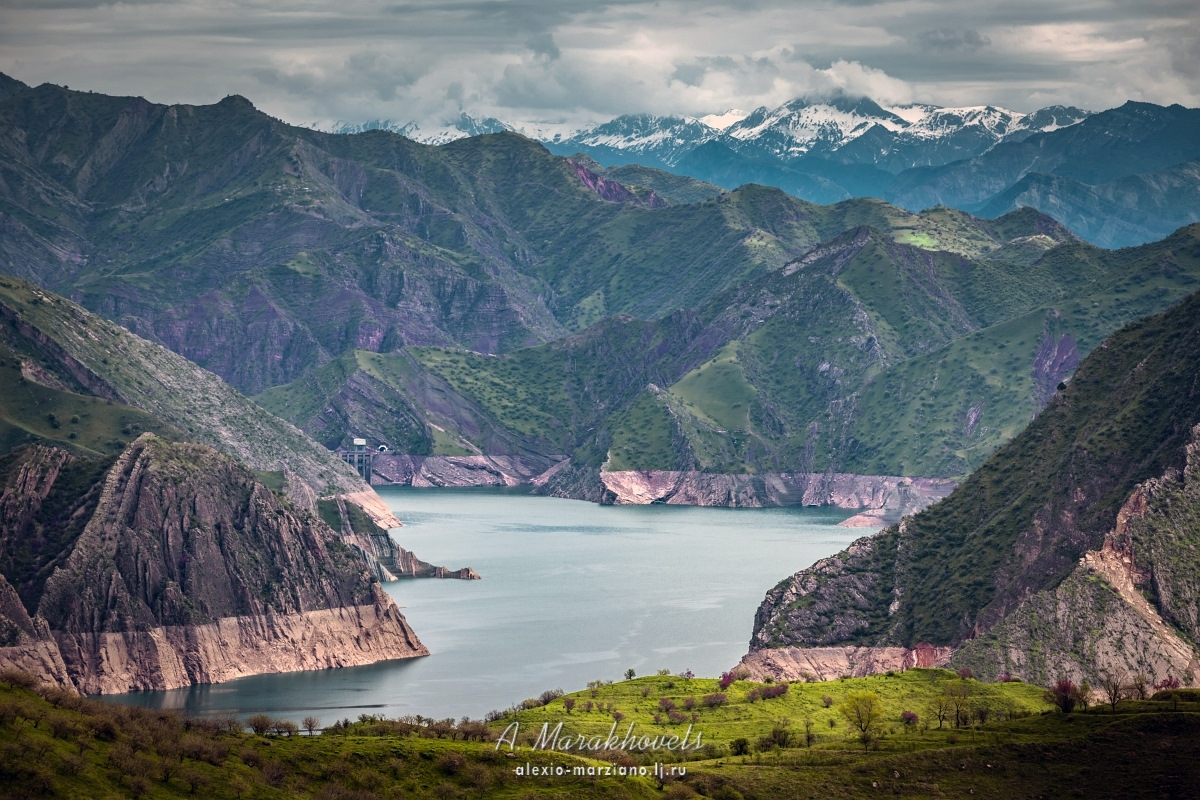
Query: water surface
571 592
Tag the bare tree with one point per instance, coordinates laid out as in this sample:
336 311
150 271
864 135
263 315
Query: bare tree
958 695
310 724
1112 683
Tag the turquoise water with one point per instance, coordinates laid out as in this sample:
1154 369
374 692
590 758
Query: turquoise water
571 592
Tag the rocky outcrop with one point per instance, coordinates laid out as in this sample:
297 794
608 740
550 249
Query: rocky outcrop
829 663
169 657
407 565
189 570
1130 606
886 494
26 643
425 471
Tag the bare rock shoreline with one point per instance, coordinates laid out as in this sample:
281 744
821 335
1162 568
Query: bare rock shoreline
883 499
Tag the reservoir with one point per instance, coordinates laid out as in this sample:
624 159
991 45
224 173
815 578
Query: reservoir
571 592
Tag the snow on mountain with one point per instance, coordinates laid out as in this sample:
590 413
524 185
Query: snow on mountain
460 128
802 125
665 138
900 136
722 121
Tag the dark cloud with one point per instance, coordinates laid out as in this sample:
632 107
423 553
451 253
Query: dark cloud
579 60
543 45
953 39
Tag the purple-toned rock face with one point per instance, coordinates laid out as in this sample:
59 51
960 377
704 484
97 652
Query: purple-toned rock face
612 191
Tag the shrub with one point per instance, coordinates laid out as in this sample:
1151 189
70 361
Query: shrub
739 746
451 762
689 703
778 690
550 695
677 717
715 699
568 703
753 695
1064 695
618 716
1169 682
909 718
666 704
726 680
965 673
259 723
827 701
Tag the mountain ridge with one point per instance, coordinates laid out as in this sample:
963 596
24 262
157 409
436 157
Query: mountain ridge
1033 528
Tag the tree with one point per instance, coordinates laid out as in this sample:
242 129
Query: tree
630 674
259 723
568 703
1064 694
864 712
958 696
1139 685
1112 683
310 724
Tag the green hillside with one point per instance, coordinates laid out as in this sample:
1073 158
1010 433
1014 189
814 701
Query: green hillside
1018 526
62 745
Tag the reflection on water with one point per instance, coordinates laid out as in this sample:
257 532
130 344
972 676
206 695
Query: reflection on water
571 592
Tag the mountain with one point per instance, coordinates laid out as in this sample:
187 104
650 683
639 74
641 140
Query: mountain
1135 139
449 131
1070 551
1131 209
158 529
489 302
172 565
68 349
1117 178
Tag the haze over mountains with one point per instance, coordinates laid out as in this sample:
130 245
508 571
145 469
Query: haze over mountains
1120 177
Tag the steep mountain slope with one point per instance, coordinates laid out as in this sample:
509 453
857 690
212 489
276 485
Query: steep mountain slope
176 566
1034 561
1137 138
93 356
1135 208
867 356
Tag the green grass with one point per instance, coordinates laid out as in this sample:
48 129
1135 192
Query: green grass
717 391
66 746
643 437
524 391
740 717
31 412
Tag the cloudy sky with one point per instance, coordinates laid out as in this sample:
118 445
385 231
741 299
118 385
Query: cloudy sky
576 61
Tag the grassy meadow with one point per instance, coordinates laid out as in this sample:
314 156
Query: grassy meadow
56 744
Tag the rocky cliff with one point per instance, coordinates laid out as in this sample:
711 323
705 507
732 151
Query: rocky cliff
883 495
186 569
1071 551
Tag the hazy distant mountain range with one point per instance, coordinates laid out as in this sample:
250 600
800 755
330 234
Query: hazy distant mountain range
1116 178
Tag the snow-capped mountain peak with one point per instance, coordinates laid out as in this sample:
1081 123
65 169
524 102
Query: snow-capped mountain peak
720 122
